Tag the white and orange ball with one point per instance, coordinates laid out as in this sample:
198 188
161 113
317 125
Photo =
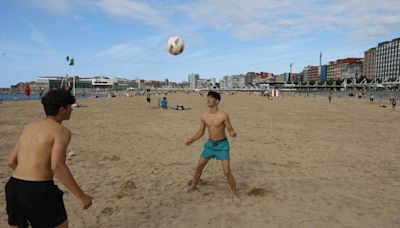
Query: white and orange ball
175 45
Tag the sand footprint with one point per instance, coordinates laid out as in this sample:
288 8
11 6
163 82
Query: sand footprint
259 192
109 211
201 182
128 185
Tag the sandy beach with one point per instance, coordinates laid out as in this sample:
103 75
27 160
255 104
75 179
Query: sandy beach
298 162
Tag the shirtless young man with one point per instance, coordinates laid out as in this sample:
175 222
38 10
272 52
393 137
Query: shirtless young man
217 146
38 155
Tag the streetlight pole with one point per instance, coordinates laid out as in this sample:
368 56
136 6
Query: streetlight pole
290 75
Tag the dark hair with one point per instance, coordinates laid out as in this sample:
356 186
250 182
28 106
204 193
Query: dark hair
214 94
55 99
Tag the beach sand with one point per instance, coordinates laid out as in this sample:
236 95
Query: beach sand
298 162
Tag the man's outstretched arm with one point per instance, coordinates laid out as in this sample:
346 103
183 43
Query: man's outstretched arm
62 172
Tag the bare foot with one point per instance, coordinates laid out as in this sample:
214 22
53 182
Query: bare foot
236 199
191 189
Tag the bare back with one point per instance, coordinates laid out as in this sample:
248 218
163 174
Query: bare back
34 148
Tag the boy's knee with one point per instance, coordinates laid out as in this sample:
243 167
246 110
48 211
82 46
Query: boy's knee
227 173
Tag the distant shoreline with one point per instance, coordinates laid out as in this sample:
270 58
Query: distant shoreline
378 95
36 96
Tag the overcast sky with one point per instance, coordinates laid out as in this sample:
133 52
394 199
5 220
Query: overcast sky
127 38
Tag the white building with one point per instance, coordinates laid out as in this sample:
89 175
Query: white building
193 80
387 60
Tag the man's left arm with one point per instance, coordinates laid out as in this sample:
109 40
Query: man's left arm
229 127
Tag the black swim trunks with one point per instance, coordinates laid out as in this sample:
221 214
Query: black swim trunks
148 100
38 202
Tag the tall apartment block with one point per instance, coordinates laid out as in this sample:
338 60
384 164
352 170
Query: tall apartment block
388 60
193 80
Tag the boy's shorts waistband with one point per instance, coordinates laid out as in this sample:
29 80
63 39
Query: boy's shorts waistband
30 181
224 139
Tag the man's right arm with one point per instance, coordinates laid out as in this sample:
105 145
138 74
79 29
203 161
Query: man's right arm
61 170
199 133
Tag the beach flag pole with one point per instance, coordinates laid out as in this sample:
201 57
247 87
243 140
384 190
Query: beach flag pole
71 64
66 76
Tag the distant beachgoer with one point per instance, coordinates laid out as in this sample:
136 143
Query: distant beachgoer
38 156
148 97
15 98
181 107
164 103
28 91
371 98
40 93
111 94
381 97
330 97
217 146
393 101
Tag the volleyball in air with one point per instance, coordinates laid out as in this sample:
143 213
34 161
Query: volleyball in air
175 45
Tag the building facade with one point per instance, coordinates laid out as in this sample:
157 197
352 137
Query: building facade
348 68
193 80
352 70
280 78
369 63
310 73
330 71
387 60
323 73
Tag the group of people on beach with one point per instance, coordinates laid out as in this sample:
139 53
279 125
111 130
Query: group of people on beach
40 154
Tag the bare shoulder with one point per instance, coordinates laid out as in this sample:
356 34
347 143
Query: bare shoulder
58 129
223 114
65 132
204 116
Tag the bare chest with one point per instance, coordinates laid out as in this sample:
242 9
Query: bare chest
214 122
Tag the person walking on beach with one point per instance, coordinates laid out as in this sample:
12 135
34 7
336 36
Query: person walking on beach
27 91
330 97
393 101
40 92
38 156
148 97
217 146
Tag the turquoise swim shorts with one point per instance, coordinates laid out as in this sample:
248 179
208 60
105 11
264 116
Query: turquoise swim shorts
216 149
